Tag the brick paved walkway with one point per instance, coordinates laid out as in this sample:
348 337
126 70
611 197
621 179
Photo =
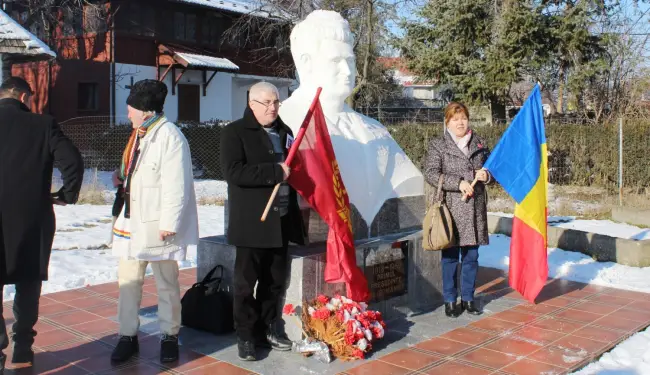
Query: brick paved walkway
573 325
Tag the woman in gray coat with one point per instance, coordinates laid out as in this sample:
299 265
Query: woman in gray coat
459 156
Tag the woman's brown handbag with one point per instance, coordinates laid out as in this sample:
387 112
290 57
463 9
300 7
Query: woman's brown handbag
438 226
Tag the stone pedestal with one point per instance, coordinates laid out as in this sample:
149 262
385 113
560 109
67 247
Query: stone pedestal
417 289
403 278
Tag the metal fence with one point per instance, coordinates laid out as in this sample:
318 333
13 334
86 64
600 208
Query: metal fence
102 142
609 155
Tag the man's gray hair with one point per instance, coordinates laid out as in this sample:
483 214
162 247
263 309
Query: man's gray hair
319 25
260 87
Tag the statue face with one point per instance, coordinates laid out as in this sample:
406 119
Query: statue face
333 69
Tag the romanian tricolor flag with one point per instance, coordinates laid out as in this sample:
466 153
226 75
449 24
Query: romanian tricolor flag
519 164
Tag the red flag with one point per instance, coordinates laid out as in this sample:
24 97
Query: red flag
315 176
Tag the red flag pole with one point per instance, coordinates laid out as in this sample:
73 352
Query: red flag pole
294 148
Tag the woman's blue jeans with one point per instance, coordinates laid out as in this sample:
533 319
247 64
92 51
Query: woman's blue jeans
469 269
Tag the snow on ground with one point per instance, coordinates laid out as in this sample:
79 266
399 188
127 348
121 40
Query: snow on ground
103 181
571 265
80 256
605 227
631 357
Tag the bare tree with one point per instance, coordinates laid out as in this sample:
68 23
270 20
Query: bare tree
47 18
264 35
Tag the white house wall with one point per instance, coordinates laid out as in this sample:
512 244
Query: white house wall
215 105
123 74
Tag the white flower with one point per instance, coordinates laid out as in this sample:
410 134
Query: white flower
336 302
355 311
364 306
330 307
346 316
346 299
311 311
368 334
380 329
362 344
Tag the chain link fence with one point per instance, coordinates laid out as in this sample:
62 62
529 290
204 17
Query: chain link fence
580 155
102 142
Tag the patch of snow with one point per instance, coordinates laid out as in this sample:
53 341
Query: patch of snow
259 9
207 61
102 181
631 357
571 265
70 269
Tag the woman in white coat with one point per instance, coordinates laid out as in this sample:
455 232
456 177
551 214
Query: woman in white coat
158 221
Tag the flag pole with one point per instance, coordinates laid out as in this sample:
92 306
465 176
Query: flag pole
293 149
472 185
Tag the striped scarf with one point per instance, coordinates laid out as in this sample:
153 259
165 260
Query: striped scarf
133 143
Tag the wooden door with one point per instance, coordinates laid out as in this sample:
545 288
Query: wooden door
189 105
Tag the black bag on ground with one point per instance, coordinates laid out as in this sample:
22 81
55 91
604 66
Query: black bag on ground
208 308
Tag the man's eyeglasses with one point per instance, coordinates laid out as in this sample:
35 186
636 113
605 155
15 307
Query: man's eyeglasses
275 103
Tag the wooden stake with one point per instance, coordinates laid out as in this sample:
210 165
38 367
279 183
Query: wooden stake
268 205
473 184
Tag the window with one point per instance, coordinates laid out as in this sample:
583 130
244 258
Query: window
87 97
179 26
137 19
212 28
190 27
185 26
135 16
167 19
148 20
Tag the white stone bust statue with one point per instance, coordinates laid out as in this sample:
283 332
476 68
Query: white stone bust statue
373 166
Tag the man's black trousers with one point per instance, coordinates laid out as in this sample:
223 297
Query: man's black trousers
255 309
28 294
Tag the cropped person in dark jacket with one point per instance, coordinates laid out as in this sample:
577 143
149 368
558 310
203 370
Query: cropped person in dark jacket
30 144
253 150
459 156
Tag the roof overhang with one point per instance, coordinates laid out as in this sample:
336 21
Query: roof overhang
183 61
19 44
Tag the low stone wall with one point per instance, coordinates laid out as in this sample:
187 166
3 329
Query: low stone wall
601 247
631 216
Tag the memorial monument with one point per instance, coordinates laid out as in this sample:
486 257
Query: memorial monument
373 166
385 188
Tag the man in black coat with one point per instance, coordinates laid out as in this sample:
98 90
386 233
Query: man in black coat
253 150
29 145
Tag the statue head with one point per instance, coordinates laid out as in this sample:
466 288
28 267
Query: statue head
322 50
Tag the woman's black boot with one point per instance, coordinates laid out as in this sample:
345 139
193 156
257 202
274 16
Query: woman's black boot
451 309
471 307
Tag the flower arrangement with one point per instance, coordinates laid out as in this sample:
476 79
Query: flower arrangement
347 327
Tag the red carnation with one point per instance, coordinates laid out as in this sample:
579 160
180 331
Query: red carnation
322 314
358 353
340 315
288 309
323 299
